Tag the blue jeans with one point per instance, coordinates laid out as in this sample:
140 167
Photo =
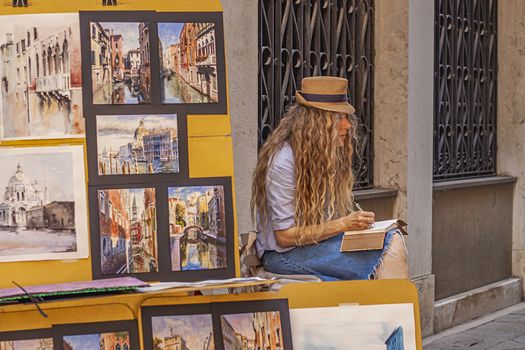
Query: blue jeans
325 261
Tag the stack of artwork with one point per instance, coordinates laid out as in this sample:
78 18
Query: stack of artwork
127 89
228 326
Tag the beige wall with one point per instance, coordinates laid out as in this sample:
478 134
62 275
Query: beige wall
511 115
391 99
240 31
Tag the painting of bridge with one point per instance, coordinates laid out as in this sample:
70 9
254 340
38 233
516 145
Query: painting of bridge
197 228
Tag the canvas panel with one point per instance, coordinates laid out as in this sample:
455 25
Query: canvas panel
40 77
43 213
363 327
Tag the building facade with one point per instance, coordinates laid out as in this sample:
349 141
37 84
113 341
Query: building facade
133 60
175 342
117 57
454 287
101 73
144 68
114 341
20 196
114 230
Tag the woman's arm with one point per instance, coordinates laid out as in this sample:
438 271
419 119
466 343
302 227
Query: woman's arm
358 220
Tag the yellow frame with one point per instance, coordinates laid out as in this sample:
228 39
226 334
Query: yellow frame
127 307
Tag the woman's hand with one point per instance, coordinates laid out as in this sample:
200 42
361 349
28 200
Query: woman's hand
358 220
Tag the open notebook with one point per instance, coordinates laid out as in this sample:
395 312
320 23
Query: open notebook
371 238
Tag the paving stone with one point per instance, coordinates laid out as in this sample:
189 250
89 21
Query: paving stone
504 333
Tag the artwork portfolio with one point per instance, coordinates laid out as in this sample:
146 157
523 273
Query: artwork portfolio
370 327
97 341
182 332
43 211
188 62
40 76
137 144
29 344
197 227
120 62
257 330
128 230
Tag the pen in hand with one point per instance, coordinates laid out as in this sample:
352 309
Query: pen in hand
361 209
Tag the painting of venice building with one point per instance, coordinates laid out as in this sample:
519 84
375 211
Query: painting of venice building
137 144
40 76
103 341
30 344
188 62
42 208
197 227
120 62
251 331
128 230
184 332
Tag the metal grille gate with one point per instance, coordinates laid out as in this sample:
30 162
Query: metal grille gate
465 77
300 38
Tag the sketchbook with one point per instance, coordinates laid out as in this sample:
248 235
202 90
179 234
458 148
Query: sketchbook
372 238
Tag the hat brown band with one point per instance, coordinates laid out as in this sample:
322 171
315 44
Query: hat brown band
324 98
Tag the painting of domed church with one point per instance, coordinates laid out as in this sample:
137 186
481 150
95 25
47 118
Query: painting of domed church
42 208
137 144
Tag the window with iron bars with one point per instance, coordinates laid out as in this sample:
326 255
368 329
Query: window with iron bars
301 38
465 88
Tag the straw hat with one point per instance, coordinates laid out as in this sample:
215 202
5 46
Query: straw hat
326 93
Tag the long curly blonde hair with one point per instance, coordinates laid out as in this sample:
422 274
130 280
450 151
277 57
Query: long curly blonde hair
323 169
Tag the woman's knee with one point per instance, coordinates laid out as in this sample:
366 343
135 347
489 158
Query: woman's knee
395 260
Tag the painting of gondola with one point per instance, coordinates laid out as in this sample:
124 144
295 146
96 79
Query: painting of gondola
197 223
128 230
120 62
40 77
188 62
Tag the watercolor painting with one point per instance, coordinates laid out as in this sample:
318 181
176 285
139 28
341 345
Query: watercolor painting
97 341
120 62
369 327
182 332
258 330
137 144
197 227
188 62
128 230
29 344
40 77
43 207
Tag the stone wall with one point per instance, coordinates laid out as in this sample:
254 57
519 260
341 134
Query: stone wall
241 36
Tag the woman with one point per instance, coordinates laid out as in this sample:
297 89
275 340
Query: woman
302 192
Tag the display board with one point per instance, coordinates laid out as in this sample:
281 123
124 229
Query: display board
141 306
151 192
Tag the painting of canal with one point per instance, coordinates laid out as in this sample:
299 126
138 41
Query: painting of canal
40 77
259 330
184 332
28 344
97 341
43 204
120 62
128 230
197 228
137 144
188 62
